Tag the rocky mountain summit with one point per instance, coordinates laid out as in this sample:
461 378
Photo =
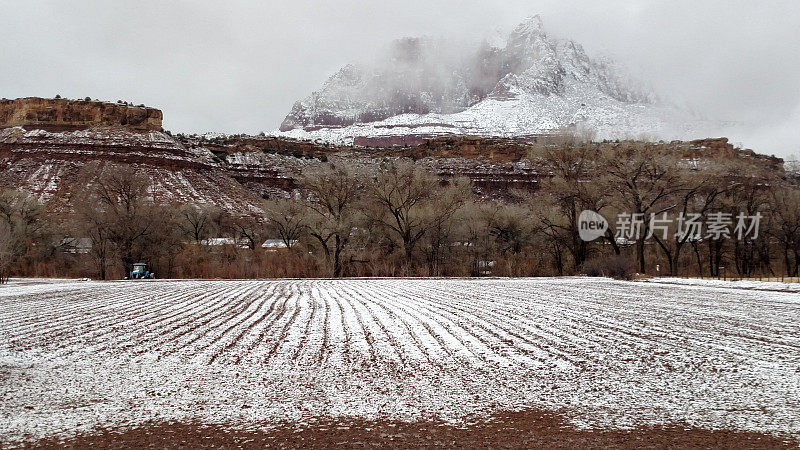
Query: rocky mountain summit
530 85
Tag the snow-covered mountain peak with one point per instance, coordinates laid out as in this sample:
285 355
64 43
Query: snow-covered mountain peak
531 25
527 84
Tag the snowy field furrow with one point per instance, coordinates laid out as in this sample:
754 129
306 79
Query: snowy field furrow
205 328
493 337
399 338
223 342
284 333
608 323
67 311
420 325
157 328
247 333
97 334
502 325
253 345
79 354
381 344
471 347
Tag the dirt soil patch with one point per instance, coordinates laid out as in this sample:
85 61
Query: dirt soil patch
528 429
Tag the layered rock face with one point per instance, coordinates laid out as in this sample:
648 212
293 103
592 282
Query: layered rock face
55 166
57 155
64 114
234 173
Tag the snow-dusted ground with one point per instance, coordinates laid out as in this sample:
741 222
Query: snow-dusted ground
75 355
728 284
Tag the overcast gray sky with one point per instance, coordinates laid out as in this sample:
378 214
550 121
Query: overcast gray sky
238 66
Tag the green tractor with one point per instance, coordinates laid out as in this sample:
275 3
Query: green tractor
140 272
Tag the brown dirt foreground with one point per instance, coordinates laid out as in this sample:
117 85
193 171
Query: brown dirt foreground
529 429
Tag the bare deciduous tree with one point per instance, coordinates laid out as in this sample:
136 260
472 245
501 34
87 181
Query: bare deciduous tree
199 222
332 213
7 245
645 180
118 215
287 219
24 228
251 229
700 196
576 183
786 227
409 201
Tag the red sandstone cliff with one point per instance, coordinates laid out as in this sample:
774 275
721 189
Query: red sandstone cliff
64 114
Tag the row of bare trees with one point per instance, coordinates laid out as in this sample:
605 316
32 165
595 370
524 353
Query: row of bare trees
404 220
399 219
640 178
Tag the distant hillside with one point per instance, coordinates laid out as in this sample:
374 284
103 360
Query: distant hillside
236 172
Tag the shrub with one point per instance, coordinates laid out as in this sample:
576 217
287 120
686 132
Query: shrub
619 267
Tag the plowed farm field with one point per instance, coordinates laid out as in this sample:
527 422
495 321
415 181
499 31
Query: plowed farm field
75 356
